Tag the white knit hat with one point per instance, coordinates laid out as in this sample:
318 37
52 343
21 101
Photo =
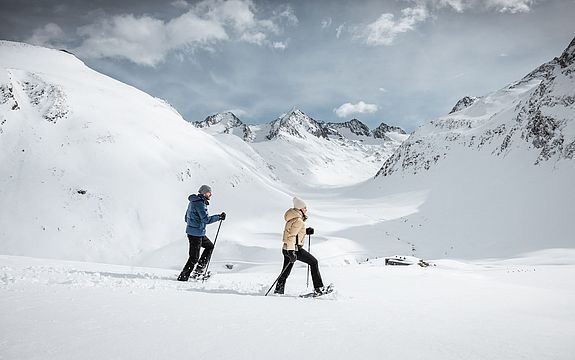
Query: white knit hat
298 203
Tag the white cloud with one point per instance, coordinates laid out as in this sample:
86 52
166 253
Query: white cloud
239 14
180 4
48 35
287 13
510 6
279 45
257 38
325 23
385 29
339 30
457 5
360 108
382 89
147 40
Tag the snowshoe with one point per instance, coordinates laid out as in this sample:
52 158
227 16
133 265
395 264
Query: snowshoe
201 276
319 291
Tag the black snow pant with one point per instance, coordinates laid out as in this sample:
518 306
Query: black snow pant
196 243
306 257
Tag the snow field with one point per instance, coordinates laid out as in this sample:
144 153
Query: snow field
454 310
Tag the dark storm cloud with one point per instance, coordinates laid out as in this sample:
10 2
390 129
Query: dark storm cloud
403 62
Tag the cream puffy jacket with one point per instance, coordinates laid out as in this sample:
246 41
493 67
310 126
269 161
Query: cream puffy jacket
294 231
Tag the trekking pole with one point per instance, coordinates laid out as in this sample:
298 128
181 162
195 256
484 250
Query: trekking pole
308 267
283 271
210 259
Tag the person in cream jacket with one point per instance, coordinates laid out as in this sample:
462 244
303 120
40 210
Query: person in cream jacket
293 246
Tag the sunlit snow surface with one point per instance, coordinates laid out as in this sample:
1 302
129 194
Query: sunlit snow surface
493 309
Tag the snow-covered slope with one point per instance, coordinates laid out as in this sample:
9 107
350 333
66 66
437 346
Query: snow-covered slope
497 176
93 169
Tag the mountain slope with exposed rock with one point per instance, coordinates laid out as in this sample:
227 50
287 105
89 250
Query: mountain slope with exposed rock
494 178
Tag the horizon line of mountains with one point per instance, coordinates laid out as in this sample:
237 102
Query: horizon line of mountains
295 122
290 121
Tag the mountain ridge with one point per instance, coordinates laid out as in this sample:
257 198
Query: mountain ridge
297 123
535 112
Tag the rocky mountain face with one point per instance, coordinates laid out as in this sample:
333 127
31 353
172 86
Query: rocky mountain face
227 122
298 124
535 114
227 119
355 126
381 131
463 103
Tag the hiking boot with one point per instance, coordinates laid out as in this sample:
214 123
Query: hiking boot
279 289
198 272
183 277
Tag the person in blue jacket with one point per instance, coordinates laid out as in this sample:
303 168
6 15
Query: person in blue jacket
196 219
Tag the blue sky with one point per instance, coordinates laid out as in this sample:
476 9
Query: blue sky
402 62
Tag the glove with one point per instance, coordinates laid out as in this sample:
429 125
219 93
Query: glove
292 256
223 216
309 231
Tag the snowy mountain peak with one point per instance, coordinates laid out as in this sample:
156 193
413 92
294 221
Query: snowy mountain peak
296 111
295 115
296 123
227 119
546 71
568 57
383 129
354 125
463 103
226 122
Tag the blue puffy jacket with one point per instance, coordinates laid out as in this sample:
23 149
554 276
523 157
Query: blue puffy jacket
197 216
